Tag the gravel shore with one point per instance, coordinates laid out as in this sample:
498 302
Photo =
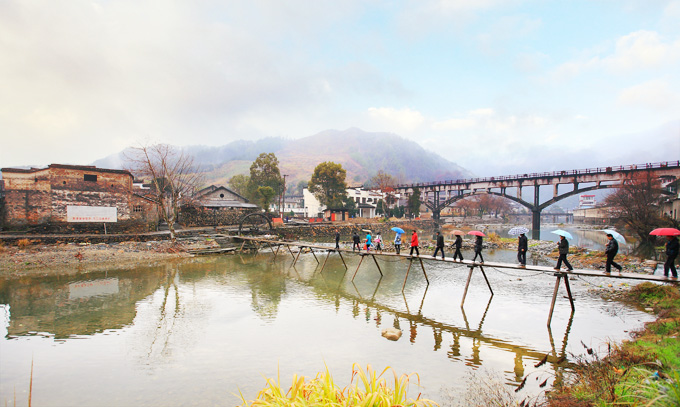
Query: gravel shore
67 258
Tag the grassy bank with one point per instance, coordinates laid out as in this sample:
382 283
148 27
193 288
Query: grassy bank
644 371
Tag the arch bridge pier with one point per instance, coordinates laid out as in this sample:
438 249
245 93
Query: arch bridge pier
441 194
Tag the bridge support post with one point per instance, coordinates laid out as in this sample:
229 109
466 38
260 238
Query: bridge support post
536 224
536 214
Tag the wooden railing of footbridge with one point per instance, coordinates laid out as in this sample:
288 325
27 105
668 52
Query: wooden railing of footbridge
560 275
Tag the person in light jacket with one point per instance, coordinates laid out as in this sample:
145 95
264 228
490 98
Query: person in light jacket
563 247
397 243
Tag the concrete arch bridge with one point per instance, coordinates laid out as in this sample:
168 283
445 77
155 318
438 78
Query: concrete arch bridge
440 194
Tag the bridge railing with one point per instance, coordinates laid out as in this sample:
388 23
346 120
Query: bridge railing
598 170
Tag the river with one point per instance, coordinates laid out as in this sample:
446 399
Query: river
201 330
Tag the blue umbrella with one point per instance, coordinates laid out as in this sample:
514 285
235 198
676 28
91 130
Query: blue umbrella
563 233
618 236
518 230
398 230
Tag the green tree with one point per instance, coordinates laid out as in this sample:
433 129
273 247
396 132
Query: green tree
413 202
398 211
302 184
328 184
239 184
350 205
264 172
266 194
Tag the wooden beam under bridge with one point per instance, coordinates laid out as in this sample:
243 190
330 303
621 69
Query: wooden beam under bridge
559 275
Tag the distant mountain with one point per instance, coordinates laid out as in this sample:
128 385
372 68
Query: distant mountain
361 153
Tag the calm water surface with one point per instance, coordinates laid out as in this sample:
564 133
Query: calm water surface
195 332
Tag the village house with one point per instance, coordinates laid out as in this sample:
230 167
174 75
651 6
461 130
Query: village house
219 197
294 204
61 194
366 201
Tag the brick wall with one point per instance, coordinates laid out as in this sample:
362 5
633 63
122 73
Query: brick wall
192 216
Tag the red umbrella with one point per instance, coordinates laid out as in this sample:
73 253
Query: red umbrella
665 232
476 233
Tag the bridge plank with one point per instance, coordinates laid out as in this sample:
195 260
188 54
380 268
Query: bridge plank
469 263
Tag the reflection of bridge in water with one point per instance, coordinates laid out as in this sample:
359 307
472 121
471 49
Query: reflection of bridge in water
560 275
416 322
440 194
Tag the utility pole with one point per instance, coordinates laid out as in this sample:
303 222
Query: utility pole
282 197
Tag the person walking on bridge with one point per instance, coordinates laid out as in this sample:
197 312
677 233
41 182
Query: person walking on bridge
440 245
356 241
479 245
397 243
368 241
563 247
672 248
337 239
611 250
522 246
414 243
458 244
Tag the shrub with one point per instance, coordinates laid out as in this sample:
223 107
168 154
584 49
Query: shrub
23 243
369 389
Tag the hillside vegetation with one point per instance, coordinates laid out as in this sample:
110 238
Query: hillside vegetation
361 153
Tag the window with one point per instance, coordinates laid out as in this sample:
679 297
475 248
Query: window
137 208
90 177
221 195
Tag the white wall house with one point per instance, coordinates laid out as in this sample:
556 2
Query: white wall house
312 206
365 199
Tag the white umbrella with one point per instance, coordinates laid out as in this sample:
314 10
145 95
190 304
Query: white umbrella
562 233
518 230
618 236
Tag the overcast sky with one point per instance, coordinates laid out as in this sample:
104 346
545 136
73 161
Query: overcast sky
497 86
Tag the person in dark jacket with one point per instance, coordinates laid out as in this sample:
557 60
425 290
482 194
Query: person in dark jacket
440 245
356 241
414 243
337 239
478 249
672 248
611 250
458 244
522 246
563 246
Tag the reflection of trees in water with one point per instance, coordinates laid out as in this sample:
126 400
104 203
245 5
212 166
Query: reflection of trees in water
174 317
267 284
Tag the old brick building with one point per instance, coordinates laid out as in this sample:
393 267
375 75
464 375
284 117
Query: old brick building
48 196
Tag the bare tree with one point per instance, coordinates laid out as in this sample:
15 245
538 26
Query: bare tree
385 183
172 175
636 204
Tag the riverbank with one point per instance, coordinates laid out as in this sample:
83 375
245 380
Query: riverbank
642 371
28 258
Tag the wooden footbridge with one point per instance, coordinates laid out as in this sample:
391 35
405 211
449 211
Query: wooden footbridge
560 275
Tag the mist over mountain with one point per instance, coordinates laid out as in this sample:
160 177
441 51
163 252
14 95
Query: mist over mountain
361 153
